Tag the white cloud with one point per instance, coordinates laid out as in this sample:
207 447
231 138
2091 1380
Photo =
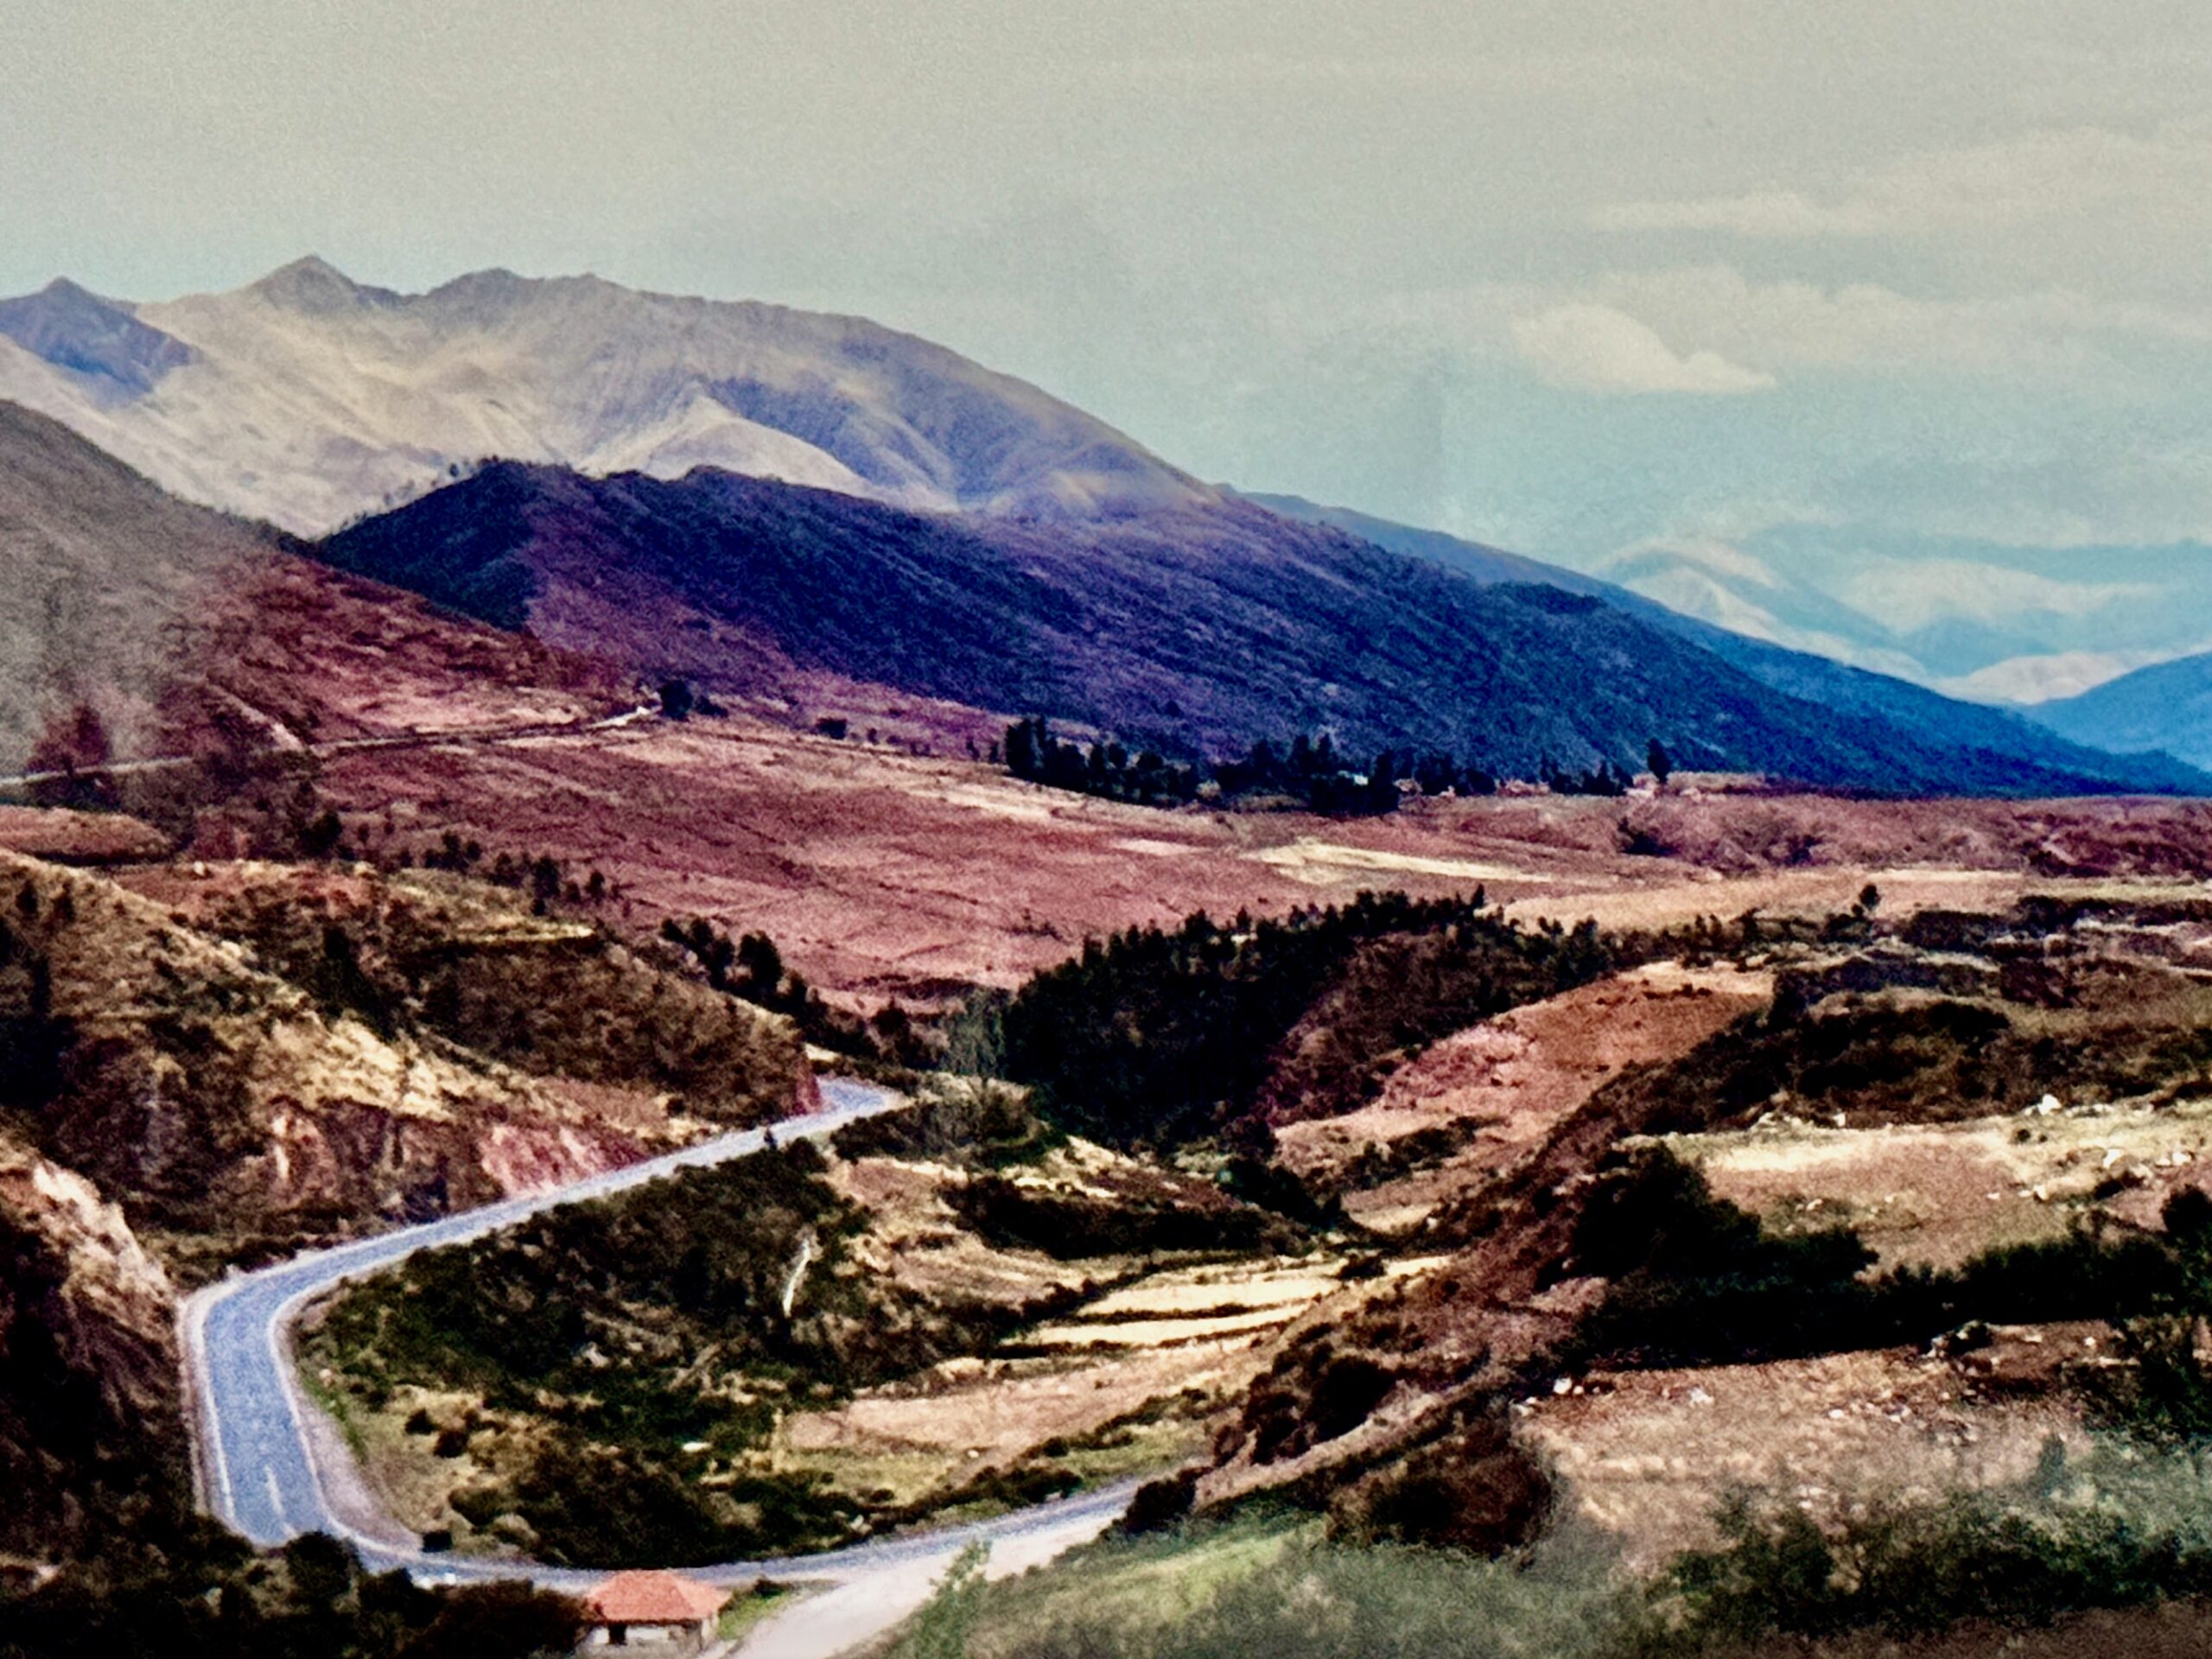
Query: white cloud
2046 678
1597 348
1715 558
2030 179
2051 333
1718 582
1912 594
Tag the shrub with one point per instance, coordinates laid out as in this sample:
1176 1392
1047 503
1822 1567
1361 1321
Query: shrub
1156 1037
1315 1600
1159 1504
1909 1568
1477 1490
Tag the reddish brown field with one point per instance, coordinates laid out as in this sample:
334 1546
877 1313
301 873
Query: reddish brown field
883 872
1510 1081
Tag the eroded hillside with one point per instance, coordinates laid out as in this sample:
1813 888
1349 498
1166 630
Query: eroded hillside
135 626
232 1062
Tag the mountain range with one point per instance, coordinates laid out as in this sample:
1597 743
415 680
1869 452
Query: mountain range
1195 630
2167 706
728 491
2022 734
2163 706
307 398
1992 621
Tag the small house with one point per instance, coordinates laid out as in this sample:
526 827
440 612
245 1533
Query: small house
664 1612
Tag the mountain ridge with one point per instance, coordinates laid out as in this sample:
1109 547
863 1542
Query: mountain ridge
1844 687
2166 706
307 398
1197 631
170 623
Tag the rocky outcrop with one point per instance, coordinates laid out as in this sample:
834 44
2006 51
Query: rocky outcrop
90 1425
237 1113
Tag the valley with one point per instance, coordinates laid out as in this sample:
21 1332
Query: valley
1342 1278
866 857
776 953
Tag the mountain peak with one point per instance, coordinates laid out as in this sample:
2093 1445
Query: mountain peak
312 285
102 342
482 294
587 373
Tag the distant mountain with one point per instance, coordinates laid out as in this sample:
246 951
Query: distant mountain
162 618
1197 631
2166 706
1854 691
307 398
86 335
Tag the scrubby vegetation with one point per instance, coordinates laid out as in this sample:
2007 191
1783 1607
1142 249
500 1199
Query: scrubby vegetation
2117 1533
1955 1018
1143 1217
1694 1281
441 955
83 1449
1307 773
685 1315
192 1591
1257 1590
630 1325
751 968
968 1122
2107 1555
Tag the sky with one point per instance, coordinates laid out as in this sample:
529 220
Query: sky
1885 326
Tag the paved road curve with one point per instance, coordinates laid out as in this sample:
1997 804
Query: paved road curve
269 1461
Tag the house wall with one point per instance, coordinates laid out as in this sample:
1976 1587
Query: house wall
654 1638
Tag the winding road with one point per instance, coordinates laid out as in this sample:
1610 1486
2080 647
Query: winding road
271 1465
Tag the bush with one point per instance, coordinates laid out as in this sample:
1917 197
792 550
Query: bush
1696 1280
1910 1568
1071 1227
1477 1490
204 1594
482 1621
1159 1504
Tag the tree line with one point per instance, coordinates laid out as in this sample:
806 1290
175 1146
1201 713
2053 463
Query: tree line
1308 772
1161 1036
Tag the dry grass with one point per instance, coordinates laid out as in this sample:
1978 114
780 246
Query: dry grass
898 868
1939 1194
1508 1081
1648 1455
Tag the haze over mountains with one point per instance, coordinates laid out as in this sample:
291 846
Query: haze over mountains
1819 679
729 490
2167 706
307 398
2000 624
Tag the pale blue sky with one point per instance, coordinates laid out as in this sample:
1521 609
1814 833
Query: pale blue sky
1821 285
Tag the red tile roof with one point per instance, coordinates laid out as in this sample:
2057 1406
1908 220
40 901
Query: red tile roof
654 1599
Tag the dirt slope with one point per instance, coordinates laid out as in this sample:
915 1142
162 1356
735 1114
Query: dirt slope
236 1112
179 628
